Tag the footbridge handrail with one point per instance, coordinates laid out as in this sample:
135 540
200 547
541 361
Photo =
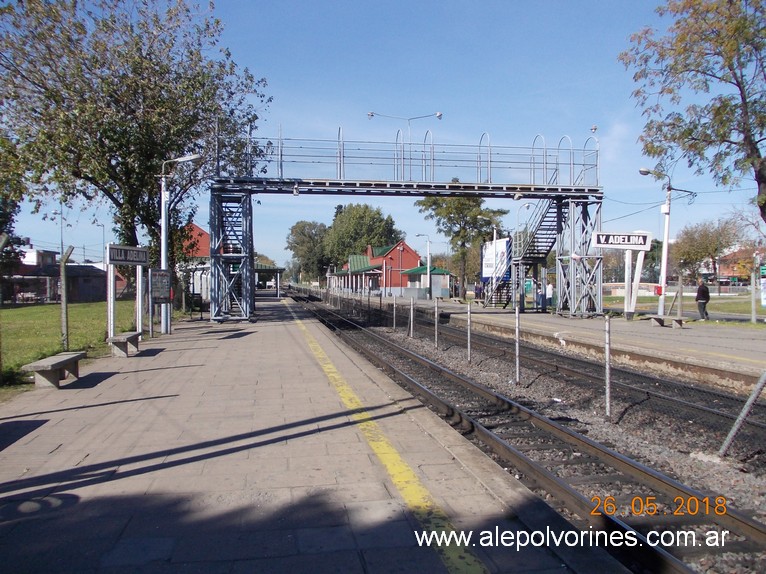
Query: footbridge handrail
286 158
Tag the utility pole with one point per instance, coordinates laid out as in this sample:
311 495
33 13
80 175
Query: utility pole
63 294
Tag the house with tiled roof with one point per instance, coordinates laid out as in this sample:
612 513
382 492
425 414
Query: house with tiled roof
378 269
196 269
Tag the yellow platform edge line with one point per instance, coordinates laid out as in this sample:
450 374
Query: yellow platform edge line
416 496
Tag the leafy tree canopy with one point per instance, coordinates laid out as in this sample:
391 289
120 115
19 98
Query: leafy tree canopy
305 240
10 256
463 220
356 226
705 241
702 88
98 94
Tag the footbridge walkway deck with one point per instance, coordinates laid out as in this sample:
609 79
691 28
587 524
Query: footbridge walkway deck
563 180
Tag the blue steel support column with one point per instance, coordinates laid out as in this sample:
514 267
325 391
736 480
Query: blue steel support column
231 256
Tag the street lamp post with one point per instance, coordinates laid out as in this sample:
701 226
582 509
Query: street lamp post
437 115
103 240
164 200
428 263
518 254
526 206
664 209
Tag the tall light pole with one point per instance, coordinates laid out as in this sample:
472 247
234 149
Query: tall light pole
526 206
428 263
664 209
518 253
164 197
437 115
103 240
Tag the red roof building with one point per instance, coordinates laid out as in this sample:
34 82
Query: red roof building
198 243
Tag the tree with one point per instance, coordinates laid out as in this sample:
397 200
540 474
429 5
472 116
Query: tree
613 263
305 240
704 242
356 226
10 186
652 262
293 271
751 223
462 220
97 95
10 256
713 57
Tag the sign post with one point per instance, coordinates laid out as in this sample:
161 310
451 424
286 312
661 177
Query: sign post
640 242
123 255
159 289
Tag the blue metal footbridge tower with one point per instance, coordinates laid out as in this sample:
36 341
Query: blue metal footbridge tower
562 182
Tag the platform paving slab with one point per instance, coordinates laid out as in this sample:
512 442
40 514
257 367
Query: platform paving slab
224 448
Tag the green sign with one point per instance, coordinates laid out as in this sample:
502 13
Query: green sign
763 270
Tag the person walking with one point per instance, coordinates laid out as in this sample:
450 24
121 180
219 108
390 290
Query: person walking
549 294
702 299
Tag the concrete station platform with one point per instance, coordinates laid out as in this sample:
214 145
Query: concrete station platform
730 353
257 447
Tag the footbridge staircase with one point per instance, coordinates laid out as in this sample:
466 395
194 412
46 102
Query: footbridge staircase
561 183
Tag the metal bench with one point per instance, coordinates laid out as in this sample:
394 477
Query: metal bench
50 370
123 343
659 321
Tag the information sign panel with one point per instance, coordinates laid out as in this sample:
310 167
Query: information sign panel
494 260
160 282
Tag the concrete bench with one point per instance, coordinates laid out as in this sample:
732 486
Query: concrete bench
659 321
50 370
123 343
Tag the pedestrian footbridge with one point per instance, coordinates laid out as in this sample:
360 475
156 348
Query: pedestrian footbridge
562 181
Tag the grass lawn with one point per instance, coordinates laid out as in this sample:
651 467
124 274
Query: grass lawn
739 305
32 332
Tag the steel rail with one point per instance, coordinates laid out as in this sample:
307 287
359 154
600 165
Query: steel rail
657 559
753 530
458 334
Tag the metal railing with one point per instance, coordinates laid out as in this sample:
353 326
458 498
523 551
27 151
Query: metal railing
427 161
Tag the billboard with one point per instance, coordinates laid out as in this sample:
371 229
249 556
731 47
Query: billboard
495 256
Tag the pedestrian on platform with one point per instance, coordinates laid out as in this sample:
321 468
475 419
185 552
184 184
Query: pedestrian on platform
539 303
549 294
702 299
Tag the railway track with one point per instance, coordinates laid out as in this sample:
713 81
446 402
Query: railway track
665 525
711 410
723 407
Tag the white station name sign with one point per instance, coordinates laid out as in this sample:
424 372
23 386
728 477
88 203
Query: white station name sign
637 241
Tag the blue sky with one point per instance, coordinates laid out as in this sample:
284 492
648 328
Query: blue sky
513 69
